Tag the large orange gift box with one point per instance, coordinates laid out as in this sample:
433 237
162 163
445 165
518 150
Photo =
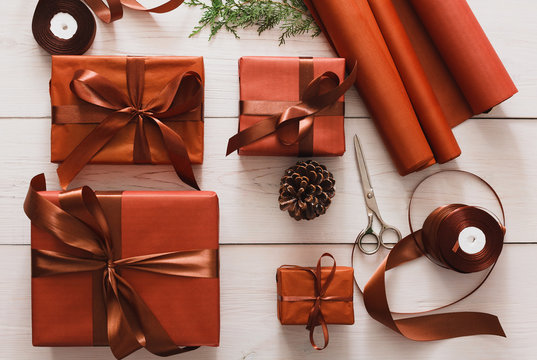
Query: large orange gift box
120 266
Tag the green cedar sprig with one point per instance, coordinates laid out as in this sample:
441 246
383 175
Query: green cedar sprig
291 16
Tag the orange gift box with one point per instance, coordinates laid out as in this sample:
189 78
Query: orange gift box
65 308
296 294
269 85
73 119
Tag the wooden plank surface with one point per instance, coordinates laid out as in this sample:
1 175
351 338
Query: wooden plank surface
248 186
256 236
250 329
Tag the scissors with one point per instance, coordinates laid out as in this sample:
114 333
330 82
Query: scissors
372 209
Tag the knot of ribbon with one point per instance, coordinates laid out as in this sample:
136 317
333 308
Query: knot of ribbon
316 317
180 95
80 223
295 122
114 10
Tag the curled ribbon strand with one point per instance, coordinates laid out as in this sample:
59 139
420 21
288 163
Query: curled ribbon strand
182 94
112 10
80 223
296 121
316 317
438 240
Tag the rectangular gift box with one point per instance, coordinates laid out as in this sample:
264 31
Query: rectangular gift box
81 117
279 82
297 283
65 308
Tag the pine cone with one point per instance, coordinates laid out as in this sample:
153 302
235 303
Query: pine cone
306 190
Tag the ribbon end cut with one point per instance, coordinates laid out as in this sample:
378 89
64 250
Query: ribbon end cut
38 182
230 147
64 183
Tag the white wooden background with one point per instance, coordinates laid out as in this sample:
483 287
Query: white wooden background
256 237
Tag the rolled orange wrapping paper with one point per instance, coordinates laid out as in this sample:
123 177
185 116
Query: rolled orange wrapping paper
445 70
453 103
421 94
354 32
468 53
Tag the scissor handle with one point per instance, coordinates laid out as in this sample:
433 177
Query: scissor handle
360 240
383 230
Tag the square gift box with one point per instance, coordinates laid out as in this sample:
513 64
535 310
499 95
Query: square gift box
68 308
73 118
124 110
296 295
269 85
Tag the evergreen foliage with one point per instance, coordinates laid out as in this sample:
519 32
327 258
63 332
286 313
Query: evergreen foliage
291 16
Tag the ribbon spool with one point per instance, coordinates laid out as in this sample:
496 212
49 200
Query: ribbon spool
459 237
63 27
462 238
456 236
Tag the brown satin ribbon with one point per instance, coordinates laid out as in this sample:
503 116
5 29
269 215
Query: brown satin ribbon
114 10
80 223
183 94
295 123
438 240
316 314
79 43
106 10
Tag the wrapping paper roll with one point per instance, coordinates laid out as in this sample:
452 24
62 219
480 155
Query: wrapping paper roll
354 32
425 66
467 52
453 103
421 94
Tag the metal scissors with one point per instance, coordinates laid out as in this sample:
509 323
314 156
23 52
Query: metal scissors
372 209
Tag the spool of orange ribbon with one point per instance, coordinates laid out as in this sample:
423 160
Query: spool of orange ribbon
63 27
459 237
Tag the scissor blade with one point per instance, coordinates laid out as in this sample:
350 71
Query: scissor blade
362 168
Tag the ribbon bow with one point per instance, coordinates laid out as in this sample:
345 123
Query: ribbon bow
180 95
316 314
80 223
114 10
296 121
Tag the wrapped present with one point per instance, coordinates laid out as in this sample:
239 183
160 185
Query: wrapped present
124 110
291 106
315 296
126 269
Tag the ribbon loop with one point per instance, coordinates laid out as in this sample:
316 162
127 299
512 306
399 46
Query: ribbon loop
182 94
80 222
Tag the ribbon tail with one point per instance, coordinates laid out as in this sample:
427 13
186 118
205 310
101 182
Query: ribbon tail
324 327
141 321
253 133
141 151
121 339
176 148
113 12
90 146
426 327
163 8
449 325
